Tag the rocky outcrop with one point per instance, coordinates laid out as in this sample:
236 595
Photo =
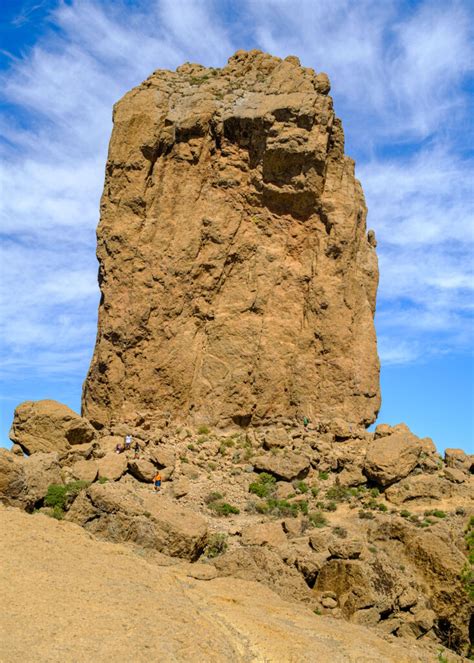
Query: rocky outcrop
238 282
48 426
119 513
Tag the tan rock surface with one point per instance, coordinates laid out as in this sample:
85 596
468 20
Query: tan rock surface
123 608
48 426
392 457
238 283
121 513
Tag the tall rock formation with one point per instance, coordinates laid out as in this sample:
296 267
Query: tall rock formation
238 281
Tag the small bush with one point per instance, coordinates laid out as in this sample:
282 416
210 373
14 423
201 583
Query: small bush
374 492
323 476
191 447
314 491
216 545
317 519
103 480
59 495
338 493
264 486
405 513
438 514
341 532
366 515
213 497
301 487
203 430
373 549
330 506
382 507
223 508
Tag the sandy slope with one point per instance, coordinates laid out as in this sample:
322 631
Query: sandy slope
67 597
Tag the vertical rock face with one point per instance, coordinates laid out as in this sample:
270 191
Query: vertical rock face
238 280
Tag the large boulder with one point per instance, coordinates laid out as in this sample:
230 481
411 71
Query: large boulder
251 294
287 466
390 458
48 426
261 534
112 466
119 513
41 470
12 477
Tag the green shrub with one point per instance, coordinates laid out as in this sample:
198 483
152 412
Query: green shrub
405 513
103 480
264 486
56 512
314 491
191 447
338 493
302 506
330 506
223 508
366 515
203 430
301 486
323 476
317 519
216 545
374 492
382 507
438 514
59 495
213 497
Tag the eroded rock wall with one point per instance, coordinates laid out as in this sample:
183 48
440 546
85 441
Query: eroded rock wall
238 280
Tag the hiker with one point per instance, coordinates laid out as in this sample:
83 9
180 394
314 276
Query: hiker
305 422
128 442
136 449
118 448
157 481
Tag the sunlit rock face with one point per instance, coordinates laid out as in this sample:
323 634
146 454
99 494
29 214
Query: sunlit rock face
238 280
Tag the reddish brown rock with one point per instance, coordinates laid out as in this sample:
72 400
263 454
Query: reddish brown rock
250 295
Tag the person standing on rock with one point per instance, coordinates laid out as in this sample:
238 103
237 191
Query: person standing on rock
157 481
136 449
128 442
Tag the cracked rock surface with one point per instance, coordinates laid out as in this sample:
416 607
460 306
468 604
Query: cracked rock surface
238 280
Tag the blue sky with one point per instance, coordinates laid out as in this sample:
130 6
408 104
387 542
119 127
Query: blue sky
402 82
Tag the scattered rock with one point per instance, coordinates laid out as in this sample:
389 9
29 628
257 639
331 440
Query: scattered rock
264 534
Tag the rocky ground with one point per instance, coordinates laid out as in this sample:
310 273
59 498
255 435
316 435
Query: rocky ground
369 528
69 597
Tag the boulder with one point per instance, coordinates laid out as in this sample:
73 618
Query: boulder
41 470
264 534
85 470
12 477
286 466
112 466
142 469
162 457
350 549
392 457
459 460
181 487
263 565
118 512
275 438
48 426
421 488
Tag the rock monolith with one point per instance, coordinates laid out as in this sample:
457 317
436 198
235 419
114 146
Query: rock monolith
237 276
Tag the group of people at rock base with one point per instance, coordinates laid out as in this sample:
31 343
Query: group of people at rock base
136 448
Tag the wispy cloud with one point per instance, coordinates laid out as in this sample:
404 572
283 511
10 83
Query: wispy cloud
397 75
